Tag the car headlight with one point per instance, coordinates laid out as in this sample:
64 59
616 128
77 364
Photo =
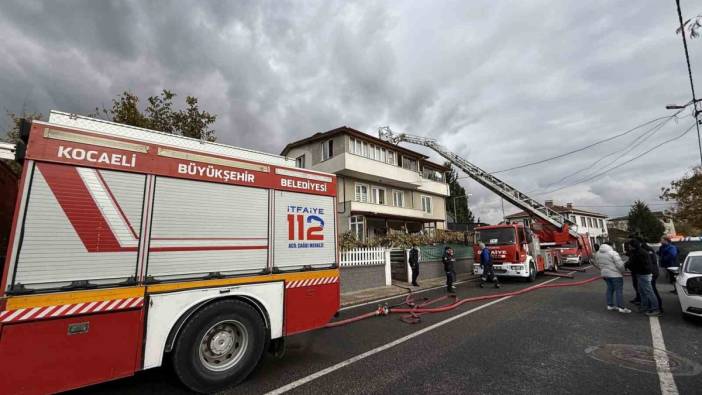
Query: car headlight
516 267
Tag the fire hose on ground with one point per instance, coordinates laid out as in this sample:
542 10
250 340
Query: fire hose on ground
414 311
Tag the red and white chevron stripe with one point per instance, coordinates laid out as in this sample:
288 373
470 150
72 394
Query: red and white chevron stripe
35 313
311 281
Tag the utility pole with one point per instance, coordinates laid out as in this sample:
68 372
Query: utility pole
692 85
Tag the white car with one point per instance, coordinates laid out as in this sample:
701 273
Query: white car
689 284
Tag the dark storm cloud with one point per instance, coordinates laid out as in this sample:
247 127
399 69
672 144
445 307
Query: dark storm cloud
501 83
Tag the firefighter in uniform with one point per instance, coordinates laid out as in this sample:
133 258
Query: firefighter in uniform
449 261
486 265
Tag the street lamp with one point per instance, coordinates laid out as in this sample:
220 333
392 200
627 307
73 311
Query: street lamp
697 121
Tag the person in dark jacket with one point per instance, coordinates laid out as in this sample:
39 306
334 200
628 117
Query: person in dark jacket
449 260
652 257
414 263
634 282
640 266
486 265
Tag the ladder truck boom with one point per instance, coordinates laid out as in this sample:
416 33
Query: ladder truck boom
484 178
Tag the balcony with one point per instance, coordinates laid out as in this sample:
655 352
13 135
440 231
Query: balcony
392 211
351 165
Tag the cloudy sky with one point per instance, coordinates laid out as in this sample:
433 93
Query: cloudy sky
500 82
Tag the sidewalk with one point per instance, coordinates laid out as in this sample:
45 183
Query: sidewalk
397 288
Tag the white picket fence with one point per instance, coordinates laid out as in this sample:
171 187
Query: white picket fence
363 257
359 257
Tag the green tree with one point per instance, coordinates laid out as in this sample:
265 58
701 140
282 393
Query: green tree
643 223
686 192
160 115
463 213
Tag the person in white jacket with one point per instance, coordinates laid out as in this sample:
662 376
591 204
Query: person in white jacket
611 268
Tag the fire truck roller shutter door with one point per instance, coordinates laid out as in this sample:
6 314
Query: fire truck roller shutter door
305 231
201 227
81 224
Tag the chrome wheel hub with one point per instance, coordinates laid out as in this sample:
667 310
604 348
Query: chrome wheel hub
223 345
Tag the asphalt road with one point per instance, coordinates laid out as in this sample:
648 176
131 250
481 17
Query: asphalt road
560 340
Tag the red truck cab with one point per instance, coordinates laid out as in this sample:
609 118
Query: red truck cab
512 249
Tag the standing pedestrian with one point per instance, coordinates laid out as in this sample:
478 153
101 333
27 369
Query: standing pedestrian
612 268
634 280
641 268
414 263
668 254
449 261
652 257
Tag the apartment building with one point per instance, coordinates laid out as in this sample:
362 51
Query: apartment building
587 222
382 188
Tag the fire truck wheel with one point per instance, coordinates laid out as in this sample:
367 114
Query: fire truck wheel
532 272
219 346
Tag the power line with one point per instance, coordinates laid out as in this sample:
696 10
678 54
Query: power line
667 117
582 148
621 205
621 164
625 150
689 73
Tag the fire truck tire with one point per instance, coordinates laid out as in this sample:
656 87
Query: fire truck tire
532 272
219 346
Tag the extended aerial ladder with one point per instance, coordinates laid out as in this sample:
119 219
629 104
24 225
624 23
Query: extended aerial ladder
489 181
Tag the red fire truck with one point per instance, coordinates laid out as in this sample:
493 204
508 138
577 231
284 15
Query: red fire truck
128 244
520 251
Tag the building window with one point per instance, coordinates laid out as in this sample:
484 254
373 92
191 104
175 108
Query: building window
409 163
372 151
361 193
378 195
582 221
392 158
432 174
357 226
601 223
327 149
356 146
300 161
426 204
398 198
589 222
